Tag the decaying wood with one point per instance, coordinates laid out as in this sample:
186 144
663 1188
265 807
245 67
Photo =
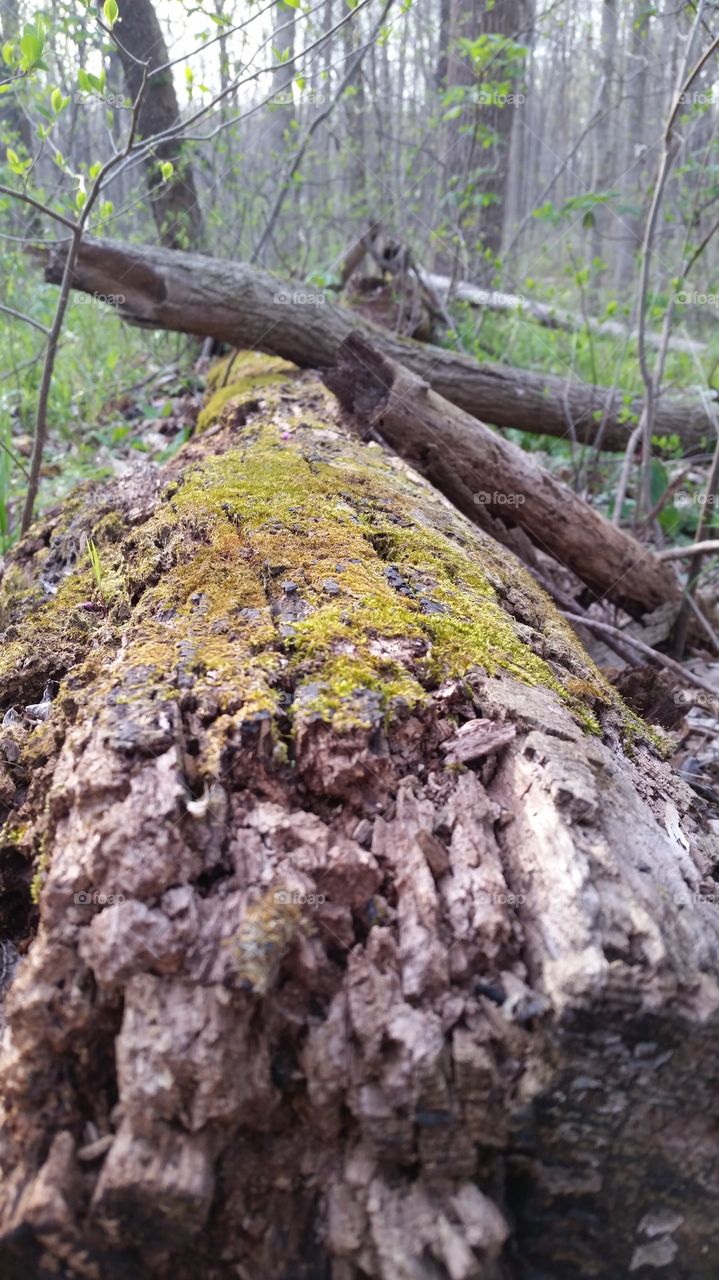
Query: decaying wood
244 306
304 999
479 471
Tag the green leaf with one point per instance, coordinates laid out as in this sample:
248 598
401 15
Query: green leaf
80 199
111 12
31 47
167 169
95 169
56 100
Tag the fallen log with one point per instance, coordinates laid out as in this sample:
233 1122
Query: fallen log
549 316
483 474
247 307
328 977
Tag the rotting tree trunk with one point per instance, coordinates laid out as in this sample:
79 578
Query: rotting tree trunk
358 954
247 307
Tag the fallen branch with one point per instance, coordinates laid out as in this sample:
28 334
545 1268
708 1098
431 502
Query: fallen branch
482 473
247 307
692 549
548 316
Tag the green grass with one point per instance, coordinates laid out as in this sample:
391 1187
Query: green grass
99 361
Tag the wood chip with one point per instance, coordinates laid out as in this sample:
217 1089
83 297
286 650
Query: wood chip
477 738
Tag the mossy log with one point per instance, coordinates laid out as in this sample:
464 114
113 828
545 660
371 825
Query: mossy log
246 307
352 926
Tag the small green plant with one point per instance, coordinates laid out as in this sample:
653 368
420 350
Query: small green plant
96 563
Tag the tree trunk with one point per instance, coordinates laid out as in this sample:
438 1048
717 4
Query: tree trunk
631 229
603 218
17 129
247 307
174 202
282 112
358 953
477 138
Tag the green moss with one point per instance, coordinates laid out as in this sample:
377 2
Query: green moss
59 624
299 558
240 377
38 880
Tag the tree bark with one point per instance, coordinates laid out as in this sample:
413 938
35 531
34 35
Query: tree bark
174 202
357 954
247 307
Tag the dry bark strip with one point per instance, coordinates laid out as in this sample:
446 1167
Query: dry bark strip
487 476
247 307
304 1001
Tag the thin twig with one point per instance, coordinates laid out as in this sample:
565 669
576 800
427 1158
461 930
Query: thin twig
704 622
15 459
692 549
19 315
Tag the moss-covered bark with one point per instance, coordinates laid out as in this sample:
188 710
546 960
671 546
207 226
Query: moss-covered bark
299 791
